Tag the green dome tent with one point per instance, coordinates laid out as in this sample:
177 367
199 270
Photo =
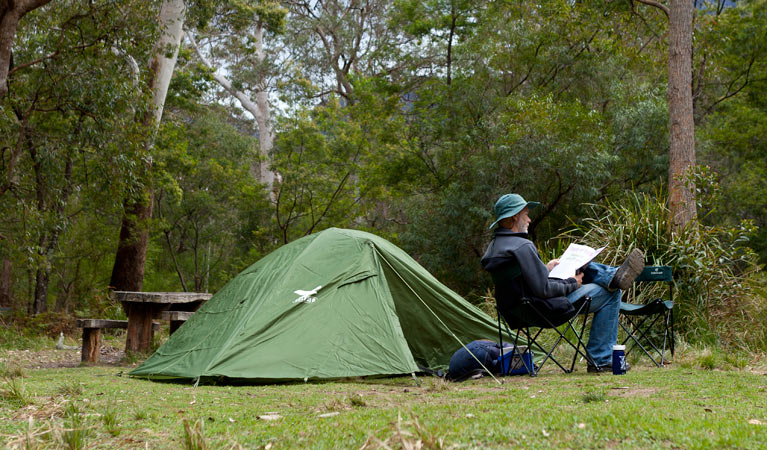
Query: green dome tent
338 303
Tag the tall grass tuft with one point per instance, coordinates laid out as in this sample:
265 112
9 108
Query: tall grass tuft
714 270
194 436
15 393
11 371
407 435
71 389
76 430
357 400
31 437
140 414
595 396
111 420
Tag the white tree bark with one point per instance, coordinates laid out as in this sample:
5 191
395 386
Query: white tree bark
259 109
135 72
265 136
172 14
11 12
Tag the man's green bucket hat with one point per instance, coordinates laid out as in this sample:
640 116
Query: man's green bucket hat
509 205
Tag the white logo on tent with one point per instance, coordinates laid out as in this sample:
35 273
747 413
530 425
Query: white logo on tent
306 296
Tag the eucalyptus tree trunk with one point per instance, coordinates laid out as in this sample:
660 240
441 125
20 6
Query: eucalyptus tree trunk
128 269
260 109
11 12
681 155
681 122
263 118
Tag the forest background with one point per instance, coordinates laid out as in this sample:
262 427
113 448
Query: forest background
399 117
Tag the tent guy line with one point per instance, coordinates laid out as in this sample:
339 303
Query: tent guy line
433 313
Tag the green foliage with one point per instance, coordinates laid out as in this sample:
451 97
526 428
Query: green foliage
205 198
531 145
713 268
731 134
71 145
707 361
335 162
17 336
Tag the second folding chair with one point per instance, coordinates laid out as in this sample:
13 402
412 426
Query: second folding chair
650 326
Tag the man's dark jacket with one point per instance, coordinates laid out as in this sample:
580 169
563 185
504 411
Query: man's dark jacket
518 273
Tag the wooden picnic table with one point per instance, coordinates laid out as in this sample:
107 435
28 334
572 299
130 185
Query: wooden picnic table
142 307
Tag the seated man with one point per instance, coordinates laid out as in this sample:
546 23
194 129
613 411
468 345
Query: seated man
518 272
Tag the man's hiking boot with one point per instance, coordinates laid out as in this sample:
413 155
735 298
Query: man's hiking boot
628 271
608 368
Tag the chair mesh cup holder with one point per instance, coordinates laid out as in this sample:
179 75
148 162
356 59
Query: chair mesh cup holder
581 306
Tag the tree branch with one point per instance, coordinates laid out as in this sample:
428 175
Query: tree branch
730 92
243 98
658 5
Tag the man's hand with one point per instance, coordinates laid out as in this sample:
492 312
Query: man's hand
552 264
579 278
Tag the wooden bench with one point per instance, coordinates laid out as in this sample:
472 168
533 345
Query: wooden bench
142 307
176 318
92 335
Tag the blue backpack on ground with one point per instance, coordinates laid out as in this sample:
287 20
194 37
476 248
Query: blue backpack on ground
464 366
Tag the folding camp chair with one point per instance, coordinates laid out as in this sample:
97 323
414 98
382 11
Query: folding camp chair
513 321
639 319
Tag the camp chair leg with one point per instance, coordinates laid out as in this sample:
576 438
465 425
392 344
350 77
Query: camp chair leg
656 313
673 336
669 318
583 307
580 336
532 340
636 343
642 334
637 338
530 370
500 340
515 347
530 343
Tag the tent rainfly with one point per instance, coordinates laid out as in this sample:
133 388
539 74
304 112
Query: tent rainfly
338 303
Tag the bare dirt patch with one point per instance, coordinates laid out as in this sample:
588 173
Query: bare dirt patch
632 392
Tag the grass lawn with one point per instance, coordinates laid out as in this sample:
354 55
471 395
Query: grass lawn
681 406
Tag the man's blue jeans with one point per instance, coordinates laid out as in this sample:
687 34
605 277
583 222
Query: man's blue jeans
605 305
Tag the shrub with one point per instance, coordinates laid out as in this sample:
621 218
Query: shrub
715 272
